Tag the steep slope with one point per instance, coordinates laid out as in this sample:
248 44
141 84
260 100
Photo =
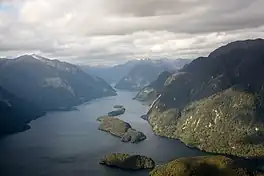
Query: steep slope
147 71
201 166
216 103
150 92
15 113
50 84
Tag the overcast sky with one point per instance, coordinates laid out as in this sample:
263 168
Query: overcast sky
112 31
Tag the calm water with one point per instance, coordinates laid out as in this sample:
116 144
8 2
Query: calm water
69 144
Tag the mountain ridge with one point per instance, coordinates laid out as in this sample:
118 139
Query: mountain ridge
113 74
37 84
215 103
142 74
61 83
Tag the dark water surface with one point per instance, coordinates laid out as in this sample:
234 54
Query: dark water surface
69 144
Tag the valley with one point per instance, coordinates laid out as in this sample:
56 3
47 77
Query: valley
211 107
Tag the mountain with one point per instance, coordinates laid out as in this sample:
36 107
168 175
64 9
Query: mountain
150 92
15 113
50 84
216 103
111 74
143 73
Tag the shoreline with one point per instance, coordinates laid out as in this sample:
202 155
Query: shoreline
251 163
26 126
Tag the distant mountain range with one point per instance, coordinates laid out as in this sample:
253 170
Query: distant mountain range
39 83
146 71
111 74
136 74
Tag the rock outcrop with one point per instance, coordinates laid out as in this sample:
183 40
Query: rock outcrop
133 136
121 129
114 126
216 103
126 161
200 166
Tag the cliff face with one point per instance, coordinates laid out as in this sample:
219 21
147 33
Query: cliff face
50 84
216 103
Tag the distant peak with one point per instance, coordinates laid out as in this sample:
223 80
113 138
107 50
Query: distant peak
35 55
25 56
38 57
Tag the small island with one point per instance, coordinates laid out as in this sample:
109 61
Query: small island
215 165
118 106
117 112
126 161
121 129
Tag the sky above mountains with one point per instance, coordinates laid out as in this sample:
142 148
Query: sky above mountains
113 31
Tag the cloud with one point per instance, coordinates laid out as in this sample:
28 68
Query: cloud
103 31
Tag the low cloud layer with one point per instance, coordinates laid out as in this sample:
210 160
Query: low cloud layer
108 32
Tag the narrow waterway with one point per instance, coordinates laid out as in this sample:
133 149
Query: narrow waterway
68 143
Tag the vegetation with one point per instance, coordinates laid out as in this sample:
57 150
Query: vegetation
50 84
114 126
117 112
200 166
121 129
126 161
133 136
150 92
147 71
216 103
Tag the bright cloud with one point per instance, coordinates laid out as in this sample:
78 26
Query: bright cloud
103 31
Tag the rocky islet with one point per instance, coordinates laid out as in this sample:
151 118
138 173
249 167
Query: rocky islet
127 161
121 129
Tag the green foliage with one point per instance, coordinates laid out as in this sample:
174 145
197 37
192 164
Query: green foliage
121 129
227 122
200 166
126 161
114 126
